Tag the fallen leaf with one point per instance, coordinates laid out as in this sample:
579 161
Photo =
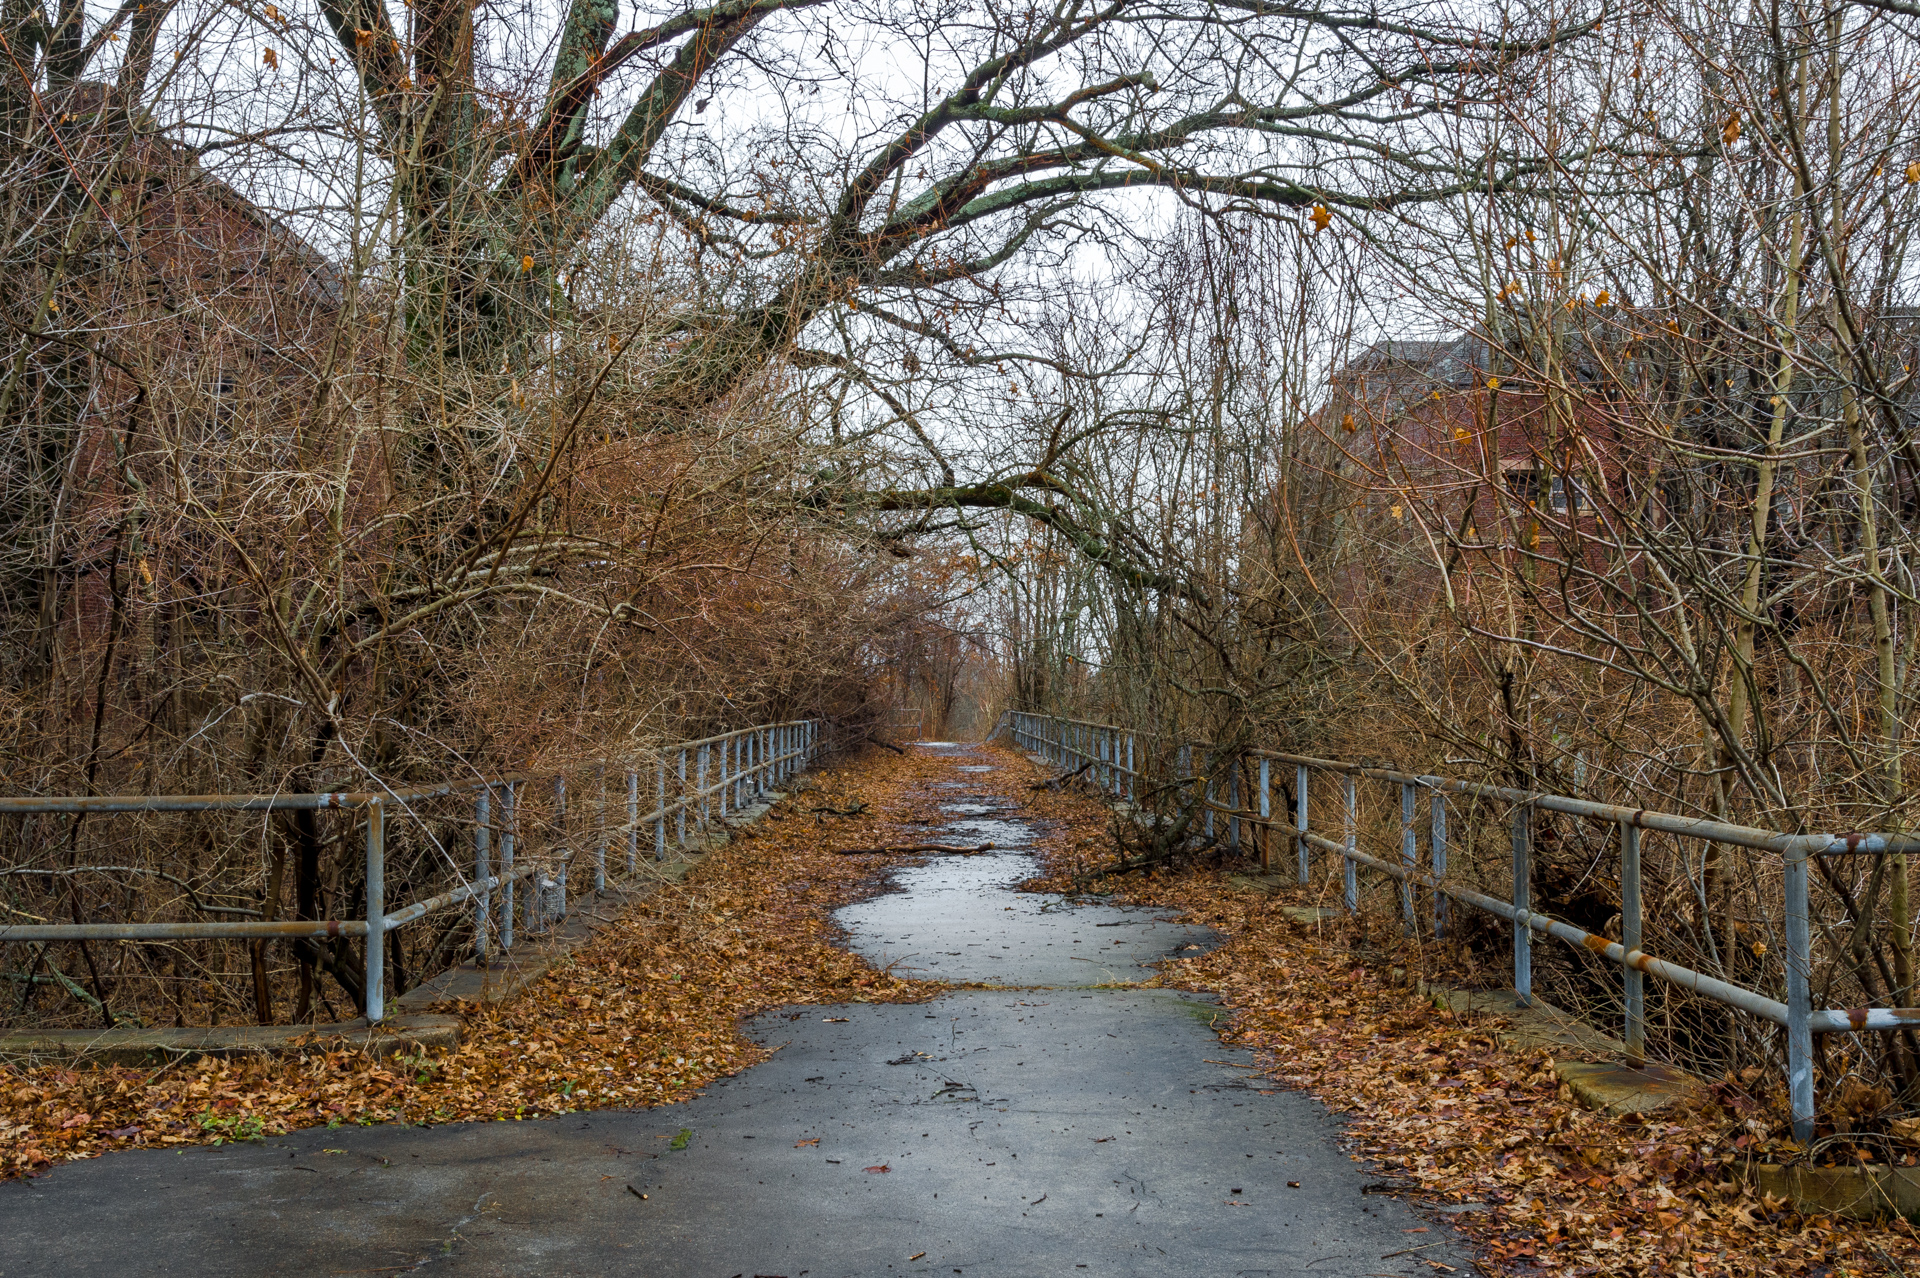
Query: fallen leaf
883 1167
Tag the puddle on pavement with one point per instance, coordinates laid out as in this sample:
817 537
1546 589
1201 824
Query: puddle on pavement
972 809
960 918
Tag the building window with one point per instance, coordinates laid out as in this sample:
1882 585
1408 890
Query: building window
1565 496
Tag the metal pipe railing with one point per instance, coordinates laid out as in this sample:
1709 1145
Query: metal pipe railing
749 762
1060 741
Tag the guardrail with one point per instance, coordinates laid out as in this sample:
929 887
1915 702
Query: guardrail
1102 747
729 769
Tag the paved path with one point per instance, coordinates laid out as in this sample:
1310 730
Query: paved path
1063 1127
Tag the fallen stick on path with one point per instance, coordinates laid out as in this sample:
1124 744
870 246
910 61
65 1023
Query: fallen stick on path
920 847
1056 782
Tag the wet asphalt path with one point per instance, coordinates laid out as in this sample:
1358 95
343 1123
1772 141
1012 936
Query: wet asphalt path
1068 1125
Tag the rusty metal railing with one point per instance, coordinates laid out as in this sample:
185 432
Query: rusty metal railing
1102 746
728 770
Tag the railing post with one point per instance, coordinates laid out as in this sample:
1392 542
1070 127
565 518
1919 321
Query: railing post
1799 998
680 807
1437 803
376 980
482 858
1266 812
1409 855
1206 791
600 841
723 781
1523 902
510 817
1630 940
1300 822
1133 777
559 853
660 812
633 821
534 920
1352 872
700 786
1233 803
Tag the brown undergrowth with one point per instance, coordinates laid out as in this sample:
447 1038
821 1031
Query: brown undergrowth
648 1013
1447 1115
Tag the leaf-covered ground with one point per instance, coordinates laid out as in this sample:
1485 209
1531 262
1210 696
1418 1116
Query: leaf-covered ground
648 1013
1445 1114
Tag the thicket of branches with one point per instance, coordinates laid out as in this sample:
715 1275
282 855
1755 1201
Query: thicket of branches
394 384
1627 513
388 385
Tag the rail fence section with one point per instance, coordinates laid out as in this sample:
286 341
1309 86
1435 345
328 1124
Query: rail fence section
1108 753
688 782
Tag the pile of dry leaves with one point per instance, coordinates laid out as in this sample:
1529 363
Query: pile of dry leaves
1447 1115
646 1014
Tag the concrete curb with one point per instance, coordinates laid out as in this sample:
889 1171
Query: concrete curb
1874 1192
412 1026
132 1046
1594 1066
